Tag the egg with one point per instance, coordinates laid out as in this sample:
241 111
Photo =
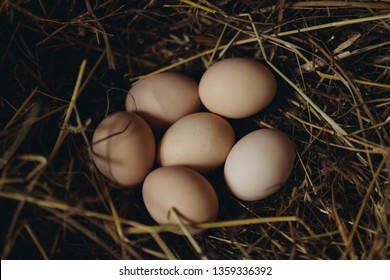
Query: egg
237 88
199 141
164 98
259 164
123 148
183 189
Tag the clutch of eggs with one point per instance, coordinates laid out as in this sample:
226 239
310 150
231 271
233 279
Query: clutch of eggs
194 143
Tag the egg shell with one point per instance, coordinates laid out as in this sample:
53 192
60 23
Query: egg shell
237 87
123 148
183 189
200 141
259 164
164 98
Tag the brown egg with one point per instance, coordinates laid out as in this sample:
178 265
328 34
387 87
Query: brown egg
183 189
123 148
164 98
259 164
199 141
237 87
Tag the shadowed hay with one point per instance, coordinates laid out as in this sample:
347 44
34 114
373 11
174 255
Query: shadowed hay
67 64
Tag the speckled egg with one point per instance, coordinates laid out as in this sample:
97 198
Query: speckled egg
199 141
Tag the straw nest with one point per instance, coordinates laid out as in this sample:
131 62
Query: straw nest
66 64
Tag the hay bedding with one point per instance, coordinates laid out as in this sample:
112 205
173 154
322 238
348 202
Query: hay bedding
332 63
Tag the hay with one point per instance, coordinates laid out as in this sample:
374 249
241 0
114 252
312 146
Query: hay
64 65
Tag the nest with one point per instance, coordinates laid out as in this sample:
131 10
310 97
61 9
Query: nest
66 64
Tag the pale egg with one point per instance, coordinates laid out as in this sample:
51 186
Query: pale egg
259 164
